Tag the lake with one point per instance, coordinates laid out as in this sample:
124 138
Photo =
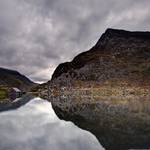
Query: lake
35 126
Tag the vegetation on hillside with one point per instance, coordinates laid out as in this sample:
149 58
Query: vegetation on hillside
3 95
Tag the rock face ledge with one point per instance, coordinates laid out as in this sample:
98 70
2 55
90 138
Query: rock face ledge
106 90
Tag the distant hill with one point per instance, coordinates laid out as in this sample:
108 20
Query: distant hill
13 78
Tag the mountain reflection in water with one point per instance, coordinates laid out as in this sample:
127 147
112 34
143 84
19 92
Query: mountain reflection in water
35 126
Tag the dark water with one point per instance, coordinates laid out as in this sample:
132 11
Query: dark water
35 126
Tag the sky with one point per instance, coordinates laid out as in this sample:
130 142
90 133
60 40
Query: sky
37 35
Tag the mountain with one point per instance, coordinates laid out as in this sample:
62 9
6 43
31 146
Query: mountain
13 78
106 90
117 54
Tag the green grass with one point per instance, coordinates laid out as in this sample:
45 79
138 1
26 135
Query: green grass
3 94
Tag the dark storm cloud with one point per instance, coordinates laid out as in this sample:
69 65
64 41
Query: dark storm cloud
37 35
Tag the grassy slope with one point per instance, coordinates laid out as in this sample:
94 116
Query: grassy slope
3 95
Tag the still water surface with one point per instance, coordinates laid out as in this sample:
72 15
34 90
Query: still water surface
35 126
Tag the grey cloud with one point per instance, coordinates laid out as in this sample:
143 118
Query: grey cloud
37 34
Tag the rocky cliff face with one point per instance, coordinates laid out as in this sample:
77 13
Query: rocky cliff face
106 90
117 55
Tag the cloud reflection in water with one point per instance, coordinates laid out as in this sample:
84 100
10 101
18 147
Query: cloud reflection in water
35 126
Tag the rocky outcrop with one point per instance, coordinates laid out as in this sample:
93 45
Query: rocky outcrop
118 54
106 90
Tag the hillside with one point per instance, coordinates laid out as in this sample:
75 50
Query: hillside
117 55
13 78
106 90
